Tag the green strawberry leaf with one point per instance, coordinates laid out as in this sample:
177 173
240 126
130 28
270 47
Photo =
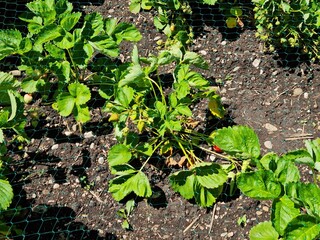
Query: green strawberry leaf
260 185
6 194
263 231
123 185
119 154
70 20
283 211
303 227
238 141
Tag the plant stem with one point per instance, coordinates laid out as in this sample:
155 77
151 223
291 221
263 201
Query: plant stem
76 73
161 142
228 158
183 149
160 90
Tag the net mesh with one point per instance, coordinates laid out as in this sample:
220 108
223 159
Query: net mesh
59 174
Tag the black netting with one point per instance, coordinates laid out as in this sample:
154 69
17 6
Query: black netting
119 120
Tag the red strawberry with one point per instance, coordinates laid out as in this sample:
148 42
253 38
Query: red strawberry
217 149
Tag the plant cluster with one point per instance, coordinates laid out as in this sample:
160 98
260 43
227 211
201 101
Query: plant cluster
58 49
140 106
289 24
12 123
295 208
65 55
170 19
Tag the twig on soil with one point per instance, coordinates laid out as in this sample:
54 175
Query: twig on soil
191 224
97 197
284 92
212 217
299 136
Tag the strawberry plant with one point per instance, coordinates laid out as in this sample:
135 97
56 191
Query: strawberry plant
139 105
231 10
170 19
289 24
13 121
295 208
58 49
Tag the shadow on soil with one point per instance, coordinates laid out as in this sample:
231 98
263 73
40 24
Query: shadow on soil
43 222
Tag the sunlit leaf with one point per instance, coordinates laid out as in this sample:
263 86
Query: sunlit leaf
119 154
283 211
6 194
136 182
263 231
239 141
259 185
303 227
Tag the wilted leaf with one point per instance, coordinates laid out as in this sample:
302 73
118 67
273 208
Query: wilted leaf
215 106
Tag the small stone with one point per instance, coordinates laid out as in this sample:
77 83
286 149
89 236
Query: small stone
236 69
91 145
16 73
101 160
75 206
45 192
268 144
98 179
270 127
111 11
274 73
203 52
56 186
88 134
265 208
157 38
306 95
33 195
68 133
55 147
297 92
223 234
223 43
256 62
230 234
74 127
92 204
259 213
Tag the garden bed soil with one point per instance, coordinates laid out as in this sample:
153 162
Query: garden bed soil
61 177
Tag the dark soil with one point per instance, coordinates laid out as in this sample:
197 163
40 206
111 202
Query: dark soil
61 177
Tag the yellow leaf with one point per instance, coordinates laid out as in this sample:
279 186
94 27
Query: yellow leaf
231 22
114 117
215 107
